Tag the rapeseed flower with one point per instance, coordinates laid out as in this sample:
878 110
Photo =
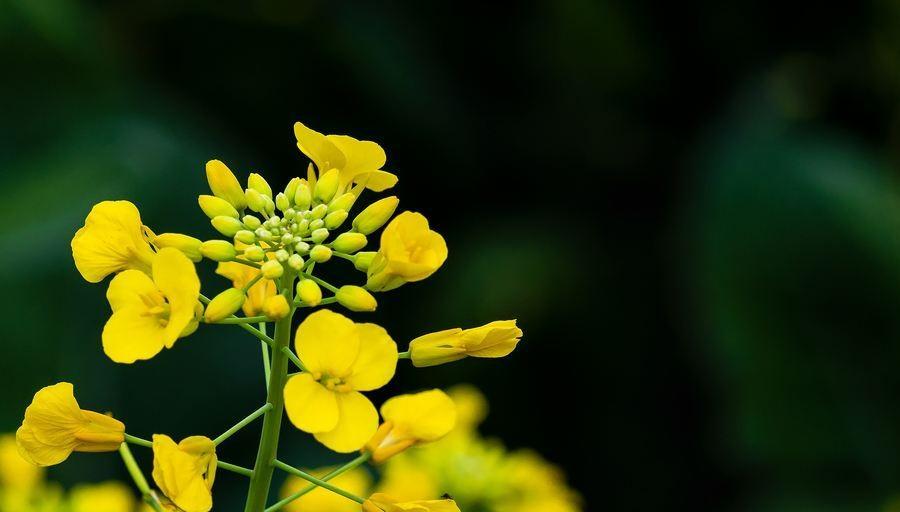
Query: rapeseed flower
185 472
496 339
410 420
380 502
410 251
357 161
113 239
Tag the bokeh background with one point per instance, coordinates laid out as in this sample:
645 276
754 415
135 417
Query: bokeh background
691 208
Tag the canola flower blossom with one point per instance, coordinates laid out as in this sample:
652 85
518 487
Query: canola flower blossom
274 247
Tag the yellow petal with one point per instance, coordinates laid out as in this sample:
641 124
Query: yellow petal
132 288
378 181
496 339
54 414
425 416
38 453
111 240
361 157
310 406
176 277
318 148
183 472
327 342
376 361
131 335
357 422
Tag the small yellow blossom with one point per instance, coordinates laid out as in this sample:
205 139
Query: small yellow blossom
496 339
410 251
343 358
359 161
151 314
383 503
412 419
103 497
16 473
113 239
185 472
355 481
55 426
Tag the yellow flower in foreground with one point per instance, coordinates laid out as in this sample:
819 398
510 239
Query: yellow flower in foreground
103 497
359 161
343 358
55 426
185 472
150 314
113 239
496 339
412 419
384 503
356 481
16 472
410 251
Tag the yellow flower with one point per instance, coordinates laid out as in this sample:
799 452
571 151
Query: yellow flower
149 314
356 481
343 358
496 339
16 472
55 426
103 497
185 472
383 503
412 419
240 275
113 239
410 251
359 161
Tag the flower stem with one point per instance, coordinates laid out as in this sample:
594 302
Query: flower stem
403 355
138 477
321 483
241 424
335 473
242 320
267 369
235 468
138 441
294 359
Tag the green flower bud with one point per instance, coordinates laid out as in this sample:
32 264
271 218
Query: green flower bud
295 261
318 236
343 202
259 184
188 245
247 237
218 250
281 202
214 206
309 292
224 185
255 200
318 212
316 224
327 185
291 189
290 213
228 226
281 255
303 227
272 269
270 205
355 298
224 305
336 218
375 215
362 260
302 197
251 222
254 253
301 247
349 243
320 254
287 239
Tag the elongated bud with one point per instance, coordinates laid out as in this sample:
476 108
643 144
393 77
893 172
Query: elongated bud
316 224
349 243
189 245
291 188
362 260
355 298
343 202
228 226
245 236
272 269
224 305
214 206
320 254
251 222
259 184
327 185
375 215
224 185
254 253
335 219
276 307
318 212
270 205
282 203
255 200
302 197
218 250
309 292
318 236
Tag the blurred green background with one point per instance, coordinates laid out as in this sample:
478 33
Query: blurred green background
690 207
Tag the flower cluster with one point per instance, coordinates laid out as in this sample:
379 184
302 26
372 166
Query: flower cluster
275 243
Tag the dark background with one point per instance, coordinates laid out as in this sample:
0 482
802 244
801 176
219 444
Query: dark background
690 207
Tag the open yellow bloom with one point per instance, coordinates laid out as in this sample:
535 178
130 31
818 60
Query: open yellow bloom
412 419
103 497
355 481
359 161
410 251
343 358
185 472
496 339
113 239
16 473
149 314
240 275
55 426
383 503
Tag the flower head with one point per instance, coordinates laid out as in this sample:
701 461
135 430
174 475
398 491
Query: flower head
412 419
356 481
55 426
358 161
410 251
383 503
185 472
113 239
496 339
342 359
150 314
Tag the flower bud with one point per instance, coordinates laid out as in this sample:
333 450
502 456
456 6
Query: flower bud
327 185
355 298
259 184
316 224
335 219
375 215
318 236
188 245
270 204
281 202
218 250
295 261
320 254
362 260
303 227
224 185
251 222
244 236
272 269
255 200
319 211
302 197
291 189
309 292
343 202
287 239
276 307
349 243
254 253
301 247
214 206
228 226
281 255
224 305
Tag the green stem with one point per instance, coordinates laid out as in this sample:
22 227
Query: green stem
138 441
242 320
267 368
204 299
252 282
241 424
321 282
327 300
348 257
403 355
293 357
235 469
321 483
248 263
138 477
333 474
